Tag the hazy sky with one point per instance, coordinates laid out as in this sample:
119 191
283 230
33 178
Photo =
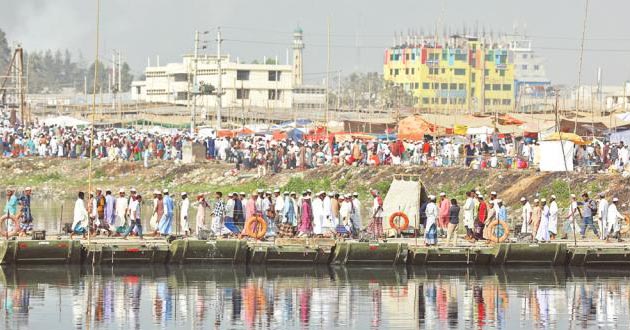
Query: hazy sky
143 28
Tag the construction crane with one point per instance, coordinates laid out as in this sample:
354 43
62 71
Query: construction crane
13 89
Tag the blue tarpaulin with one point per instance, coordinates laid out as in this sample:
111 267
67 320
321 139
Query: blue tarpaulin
295 135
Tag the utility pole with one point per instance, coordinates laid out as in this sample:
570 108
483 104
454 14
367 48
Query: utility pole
119 88
112 81
194 84
327 68
220 73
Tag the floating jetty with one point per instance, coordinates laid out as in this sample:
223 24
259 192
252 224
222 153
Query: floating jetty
306 251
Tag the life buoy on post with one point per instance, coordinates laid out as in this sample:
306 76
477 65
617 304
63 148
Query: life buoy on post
256 227
399 214
503 232
5 220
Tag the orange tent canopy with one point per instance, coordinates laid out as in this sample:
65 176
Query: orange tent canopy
415 127
509 120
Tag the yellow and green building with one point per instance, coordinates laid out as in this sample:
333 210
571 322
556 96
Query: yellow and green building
467 77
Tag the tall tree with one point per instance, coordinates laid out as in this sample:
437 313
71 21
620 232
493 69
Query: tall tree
5 52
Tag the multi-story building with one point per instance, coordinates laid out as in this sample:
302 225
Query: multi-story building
268 85
529 69
258 85
461 74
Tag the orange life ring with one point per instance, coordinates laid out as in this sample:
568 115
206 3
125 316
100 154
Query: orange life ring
16 226
402 215
492 231
256 227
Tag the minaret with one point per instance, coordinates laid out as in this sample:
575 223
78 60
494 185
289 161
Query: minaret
298 45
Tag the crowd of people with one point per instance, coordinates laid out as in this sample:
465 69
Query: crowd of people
269 155
285 214
329 214
539 220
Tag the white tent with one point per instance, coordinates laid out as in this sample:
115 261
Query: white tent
556 156
65 121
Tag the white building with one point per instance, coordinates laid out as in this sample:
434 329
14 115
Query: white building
243 85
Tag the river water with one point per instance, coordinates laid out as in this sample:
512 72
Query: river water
226 297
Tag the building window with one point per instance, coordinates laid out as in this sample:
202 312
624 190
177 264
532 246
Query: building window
413 56
180 77
274 75
396 72
536 67
274 94
453 86
443 100
502 73
486 72
391 72
443 71
524 67
462 86
487 101
496 102
507 87
413 71
443 86
496 87
506 101
524 55
459 72
407 71
242 94
407 57
487 87
242 74
417 85
436 85
461 57
181 96
425 100
426 85
391 57
473 76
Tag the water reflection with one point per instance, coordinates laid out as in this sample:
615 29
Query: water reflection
302 298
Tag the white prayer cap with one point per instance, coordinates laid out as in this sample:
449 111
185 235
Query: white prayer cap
156 192
183 194
121 190
356 194
132 189
431 197
615 199
27 189
242 193
493 193
480 196
442 194
260 190
321 193
165 191
553 196
285 193
99 189
308 190
601 194
536 200
331 194
573 196
293 193
276 190
523 199
544 200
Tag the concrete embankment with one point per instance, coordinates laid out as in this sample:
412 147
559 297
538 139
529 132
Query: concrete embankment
306 252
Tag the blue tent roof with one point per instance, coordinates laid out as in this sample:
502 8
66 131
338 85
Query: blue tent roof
295 135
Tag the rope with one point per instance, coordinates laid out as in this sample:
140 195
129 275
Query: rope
577 103
98 21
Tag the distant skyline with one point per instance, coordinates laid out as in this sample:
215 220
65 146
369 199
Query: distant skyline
360 30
